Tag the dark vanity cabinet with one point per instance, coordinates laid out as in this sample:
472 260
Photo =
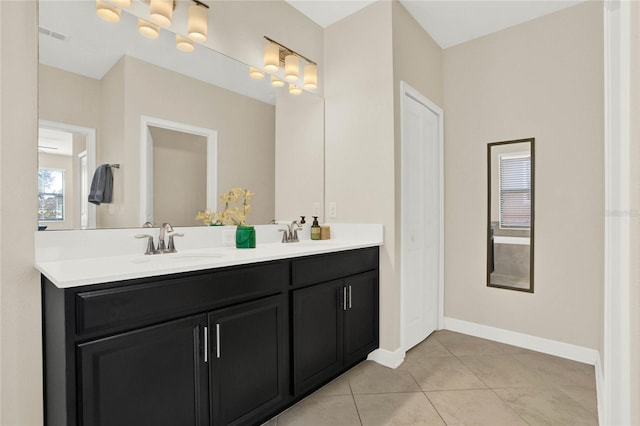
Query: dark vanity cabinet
156 375
335 315
214 347
249 363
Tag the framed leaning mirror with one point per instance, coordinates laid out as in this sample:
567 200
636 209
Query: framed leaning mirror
510 216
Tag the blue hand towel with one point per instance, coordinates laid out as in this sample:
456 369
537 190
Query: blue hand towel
101 185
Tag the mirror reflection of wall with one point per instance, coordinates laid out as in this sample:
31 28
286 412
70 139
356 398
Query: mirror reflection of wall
179 176
510 214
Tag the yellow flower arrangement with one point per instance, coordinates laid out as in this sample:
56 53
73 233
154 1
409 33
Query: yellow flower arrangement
234 213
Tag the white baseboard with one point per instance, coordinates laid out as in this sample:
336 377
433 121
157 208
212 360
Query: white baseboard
387 358
600 393
538 344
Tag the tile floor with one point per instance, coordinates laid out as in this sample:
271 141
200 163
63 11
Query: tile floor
455 379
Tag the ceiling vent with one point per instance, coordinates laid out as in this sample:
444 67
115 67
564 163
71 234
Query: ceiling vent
53 34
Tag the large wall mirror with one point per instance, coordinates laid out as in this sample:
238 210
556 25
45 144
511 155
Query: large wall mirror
106 95
510 200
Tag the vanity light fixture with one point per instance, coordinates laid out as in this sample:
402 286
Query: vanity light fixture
277 55
147 29
184 44
107 12
197 21
255 73
161 12
294 90
310 76
276 82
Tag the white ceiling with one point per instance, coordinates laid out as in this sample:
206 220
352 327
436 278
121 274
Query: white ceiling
84 44
449 22
55 142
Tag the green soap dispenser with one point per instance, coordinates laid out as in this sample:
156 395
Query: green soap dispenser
315 229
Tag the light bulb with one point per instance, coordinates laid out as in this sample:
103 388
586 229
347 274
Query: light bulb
294 90
147 29
184 44
310 77
107 12
197 23
161 12
271 57
255 73
291 68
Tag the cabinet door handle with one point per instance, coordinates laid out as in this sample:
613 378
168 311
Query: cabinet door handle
206 344
344 298
218 341
350 297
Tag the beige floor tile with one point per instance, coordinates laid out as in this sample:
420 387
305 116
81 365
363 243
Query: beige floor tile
587 398
455 371
427 349
502 371
272 422
473 407
441 374
559 371
396 409
339 386
546 407
370 377
321 411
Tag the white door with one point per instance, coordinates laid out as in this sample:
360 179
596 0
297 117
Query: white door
421 217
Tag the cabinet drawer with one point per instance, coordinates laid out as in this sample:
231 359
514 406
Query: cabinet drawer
146 302
320 268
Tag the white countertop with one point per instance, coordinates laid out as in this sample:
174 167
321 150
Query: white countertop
92 264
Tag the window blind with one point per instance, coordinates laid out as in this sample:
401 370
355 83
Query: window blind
515 191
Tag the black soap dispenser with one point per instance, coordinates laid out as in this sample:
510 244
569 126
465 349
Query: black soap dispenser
315 229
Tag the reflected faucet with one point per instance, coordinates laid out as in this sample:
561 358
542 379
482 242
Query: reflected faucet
163 231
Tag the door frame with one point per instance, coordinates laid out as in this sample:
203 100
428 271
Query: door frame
406 92
614 396
90 138
146 163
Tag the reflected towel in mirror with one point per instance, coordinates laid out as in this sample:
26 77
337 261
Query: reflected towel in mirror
102 185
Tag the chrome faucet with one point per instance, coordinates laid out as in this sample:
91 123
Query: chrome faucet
163 231
171 246
151 249
290 235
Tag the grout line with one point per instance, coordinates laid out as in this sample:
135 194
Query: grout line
434 407
353 398
415 380
509 405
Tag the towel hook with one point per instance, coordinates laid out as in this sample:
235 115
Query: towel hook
114 166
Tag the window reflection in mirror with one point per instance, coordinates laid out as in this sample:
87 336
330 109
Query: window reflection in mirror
510 214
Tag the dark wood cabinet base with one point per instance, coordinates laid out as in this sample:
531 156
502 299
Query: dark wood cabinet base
229 346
